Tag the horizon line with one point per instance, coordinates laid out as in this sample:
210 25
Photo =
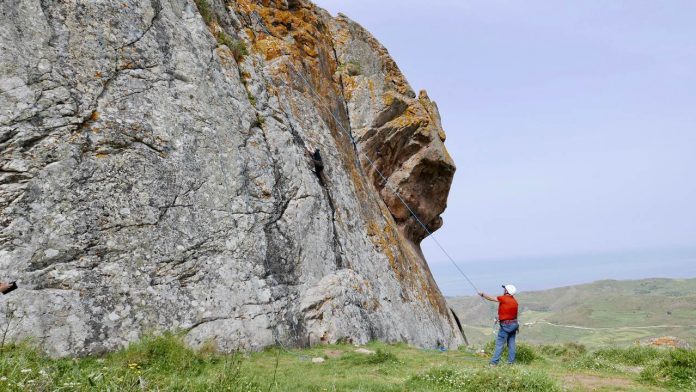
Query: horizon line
579 254
584 284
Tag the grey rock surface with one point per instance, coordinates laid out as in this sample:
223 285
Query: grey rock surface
154 177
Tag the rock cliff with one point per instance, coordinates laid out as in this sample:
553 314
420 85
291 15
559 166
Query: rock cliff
153 176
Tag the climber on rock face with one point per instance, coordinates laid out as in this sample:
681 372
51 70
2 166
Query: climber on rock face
6 288
318 164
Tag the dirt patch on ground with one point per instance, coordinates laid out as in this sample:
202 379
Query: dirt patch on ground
591 382
333 353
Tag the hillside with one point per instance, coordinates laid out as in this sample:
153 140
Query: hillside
615 313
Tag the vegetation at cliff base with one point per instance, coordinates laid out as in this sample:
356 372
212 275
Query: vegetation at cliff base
164 363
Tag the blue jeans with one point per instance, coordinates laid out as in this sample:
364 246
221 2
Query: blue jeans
506 334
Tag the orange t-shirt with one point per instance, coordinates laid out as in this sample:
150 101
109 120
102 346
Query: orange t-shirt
507 308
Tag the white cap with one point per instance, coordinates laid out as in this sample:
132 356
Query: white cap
510 289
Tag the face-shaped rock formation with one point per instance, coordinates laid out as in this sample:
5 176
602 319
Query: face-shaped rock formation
154 177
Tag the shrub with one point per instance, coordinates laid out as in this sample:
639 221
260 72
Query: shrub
677 369
259 121
252 98
239 50
236 46
485 380
206 11
525 353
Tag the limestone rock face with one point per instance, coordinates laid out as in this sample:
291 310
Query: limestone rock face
153 176
400 133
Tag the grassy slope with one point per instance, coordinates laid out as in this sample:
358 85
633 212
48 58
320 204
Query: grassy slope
604 304
165 364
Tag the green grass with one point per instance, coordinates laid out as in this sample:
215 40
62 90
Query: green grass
677 370
482 380
567 350
633 356
154 363
165 364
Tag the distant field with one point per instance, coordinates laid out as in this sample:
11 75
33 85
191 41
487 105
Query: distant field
615 313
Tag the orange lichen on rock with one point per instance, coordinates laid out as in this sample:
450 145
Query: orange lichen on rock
271 47
411 119
301 25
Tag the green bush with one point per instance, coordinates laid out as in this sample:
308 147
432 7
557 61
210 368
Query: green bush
239 50
206 11
260 120
252 98
484 380
677 369
525 353
237 46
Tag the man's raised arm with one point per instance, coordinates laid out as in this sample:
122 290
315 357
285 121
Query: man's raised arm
488 297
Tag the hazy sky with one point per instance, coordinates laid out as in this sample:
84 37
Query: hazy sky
573 127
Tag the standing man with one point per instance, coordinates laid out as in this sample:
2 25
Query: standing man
507 316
